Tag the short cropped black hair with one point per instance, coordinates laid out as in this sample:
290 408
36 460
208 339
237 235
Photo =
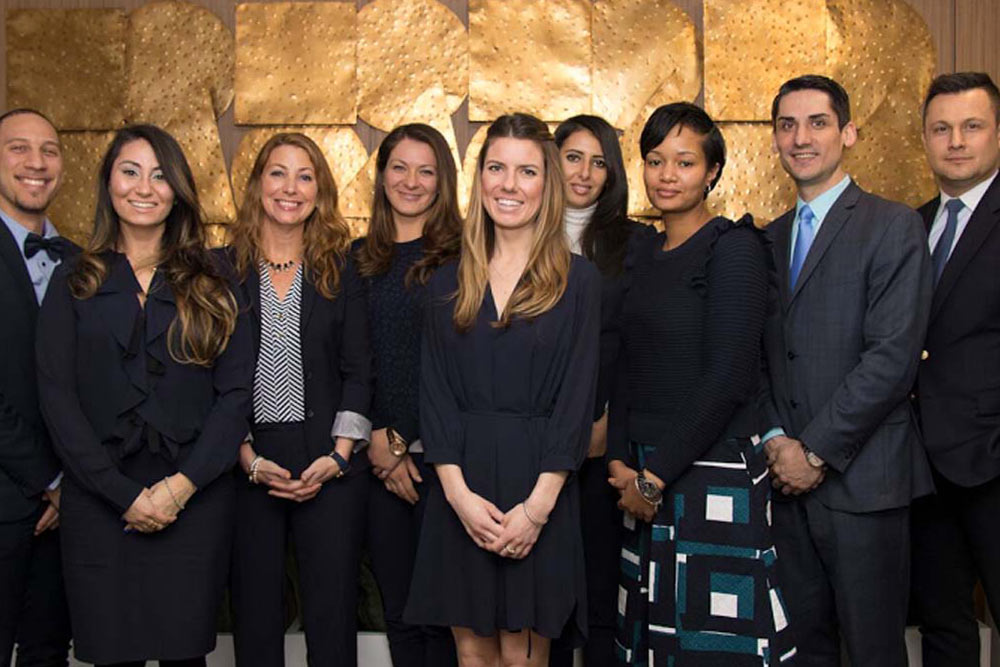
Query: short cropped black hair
23 110
948 84
839 99
685 114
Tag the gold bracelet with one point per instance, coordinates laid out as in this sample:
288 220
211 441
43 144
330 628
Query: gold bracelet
253 468
172 496
538 524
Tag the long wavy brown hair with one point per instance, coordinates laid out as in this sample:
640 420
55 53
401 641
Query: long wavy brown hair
327 238
545 276
442 231
206 308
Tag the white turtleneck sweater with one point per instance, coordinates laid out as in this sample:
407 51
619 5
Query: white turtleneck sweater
575 220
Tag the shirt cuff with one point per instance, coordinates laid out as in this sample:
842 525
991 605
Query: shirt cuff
773 433
55 483
352 425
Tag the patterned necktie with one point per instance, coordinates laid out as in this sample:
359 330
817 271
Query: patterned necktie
54 247
943 247
803 241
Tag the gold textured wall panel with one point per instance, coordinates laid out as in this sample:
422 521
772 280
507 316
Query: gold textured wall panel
753 46
529 55
413 61
72 210
642 48
753 180
69 64
295 63
179 64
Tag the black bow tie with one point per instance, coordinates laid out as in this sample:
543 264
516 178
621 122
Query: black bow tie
55 247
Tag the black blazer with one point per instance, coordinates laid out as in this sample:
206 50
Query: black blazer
842 349
959 382
102 383
336 351
27 463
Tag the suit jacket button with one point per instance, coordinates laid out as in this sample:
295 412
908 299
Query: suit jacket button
924 355
309 414
309 375
794 404
791 355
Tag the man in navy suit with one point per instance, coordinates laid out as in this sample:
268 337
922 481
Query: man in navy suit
32 599
842 344
956 540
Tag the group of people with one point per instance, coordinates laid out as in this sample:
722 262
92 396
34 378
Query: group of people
548 425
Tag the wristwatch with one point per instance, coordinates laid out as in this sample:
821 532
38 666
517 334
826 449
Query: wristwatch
397 444
813 458
649 491
343 464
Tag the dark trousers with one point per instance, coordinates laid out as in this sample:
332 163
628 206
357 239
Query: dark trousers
844 574
393 533
956 542
326 533
33 611
600 522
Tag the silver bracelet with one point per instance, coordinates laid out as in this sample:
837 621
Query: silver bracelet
166 483
538 524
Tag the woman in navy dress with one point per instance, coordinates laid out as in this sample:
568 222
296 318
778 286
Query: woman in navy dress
698 563
145 366
415 227
508 374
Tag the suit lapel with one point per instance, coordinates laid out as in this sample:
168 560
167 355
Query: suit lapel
982 222
928 211
251 291
11 255
832 224
308 300
781 234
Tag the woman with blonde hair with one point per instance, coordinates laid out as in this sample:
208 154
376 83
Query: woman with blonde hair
145 367
508 375
415 227
311 393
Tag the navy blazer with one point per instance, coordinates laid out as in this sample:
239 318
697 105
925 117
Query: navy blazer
842 348
336 351
27 463
959 382
108 387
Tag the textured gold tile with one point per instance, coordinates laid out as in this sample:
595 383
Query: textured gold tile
295 63
753 46
531 56
72 211
179 63
356 194
69 64
642 48
413 61
753 180
469 166
341 146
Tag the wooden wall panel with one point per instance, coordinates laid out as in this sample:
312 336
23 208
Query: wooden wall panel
977 26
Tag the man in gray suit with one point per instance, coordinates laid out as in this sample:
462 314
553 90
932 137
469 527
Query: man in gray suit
842 345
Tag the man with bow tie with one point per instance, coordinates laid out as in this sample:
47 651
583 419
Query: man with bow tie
32 600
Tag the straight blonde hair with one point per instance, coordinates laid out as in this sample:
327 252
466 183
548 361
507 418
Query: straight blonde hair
547 271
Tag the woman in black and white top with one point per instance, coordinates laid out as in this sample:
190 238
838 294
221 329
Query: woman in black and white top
311 397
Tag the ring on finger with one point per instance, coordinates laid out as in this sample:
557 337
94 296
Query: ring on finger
508 550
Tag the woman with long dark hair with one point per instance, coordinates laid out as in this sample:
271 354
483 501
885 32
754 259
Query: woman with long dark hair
145 365
311 392
414 228
598 228
697 566
508 371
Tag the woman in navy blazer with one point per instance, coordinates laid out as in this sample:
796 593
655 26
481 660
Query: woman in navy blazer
312 389
145 370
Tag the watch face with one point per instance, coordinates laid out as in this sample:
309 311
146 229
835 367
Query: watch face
397 446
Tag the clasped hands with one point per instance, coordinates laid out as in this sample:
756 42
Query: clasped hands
279 480
630 500
511 534
157 507
791 471
398 473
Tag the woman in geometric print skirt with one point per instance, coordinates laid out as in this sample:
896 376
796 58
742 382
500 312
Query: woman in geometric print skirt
698 564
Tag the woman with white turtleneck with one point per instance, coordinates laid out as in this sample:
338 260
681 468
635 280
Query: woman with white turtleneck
598 228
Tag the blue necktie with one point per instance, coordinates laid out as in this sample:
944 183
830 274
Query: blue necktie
803 241
943 247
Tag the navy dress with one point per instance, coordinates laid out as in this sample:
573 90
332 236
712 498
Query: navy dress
506 404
